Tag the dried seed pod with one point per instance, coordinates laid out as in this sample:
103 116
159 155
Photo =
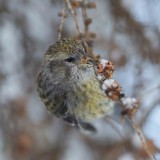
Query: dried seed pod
76 4
92 35
61 14
88 21
112 89
131 106
91 5
106 68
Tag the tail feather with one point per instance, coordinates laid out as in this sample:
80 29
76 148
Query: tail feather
86 128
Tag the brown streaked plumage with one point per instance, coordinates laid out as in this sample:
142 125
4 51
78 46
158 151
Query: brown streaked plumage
69 89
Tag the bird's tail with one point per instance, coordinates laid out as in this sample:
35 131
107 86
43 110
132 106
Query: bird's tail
86 128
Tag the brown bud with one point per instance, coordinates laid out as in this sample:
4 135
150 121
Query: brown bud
61 14
91 5
76 4
58 30
88 21
23 143
92 35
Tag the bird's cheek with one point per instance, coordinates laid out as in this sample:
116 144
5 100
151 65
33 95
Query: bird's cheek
86 66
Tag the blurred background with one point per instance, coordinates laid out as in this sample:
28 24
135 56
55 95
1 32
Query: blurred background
127 33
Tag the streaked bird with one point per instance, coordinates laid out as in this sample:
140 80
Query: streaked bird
69 88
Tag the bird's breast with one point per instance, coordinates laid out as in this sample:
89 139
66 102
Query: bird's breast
89 102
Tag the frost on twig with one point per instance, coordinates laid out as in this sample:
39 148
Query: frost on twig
131 106
105 69
113 91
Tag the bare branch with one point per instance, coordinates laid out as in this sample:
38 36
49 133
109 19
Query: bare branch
142 138
71 10
62 14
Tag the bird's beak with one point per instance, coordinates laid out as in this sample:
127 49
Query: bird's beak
85 59
90 61
87 62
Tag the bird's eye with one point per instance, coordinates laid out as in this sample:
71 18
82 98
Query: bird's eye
70 59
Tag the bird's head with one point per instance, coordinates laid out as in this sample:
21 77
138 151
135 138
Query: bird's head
66 51
64 59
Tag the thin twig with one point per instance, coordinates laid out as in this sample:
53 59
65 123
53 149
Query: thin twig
113 123
142 138
84 15
71 10
61 22
86 46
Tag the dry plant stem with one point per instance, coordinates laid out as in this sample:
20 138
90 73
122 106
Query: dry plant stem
88 50
86 27
70 8
61 22
142 138
68 3
84 15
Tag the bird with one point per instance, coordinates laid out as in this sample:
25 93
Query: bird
69 88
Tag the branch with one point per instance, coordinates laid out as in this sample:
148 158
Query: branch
71 10
63 16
